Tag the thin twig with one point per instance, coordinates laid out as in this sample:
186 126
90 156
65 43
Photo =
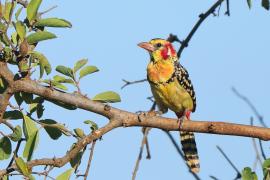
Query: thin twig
230 162
9 125
213 177
140 153
228 13
258 157
148 154
257 114
253 108
15 152
48 10
262 151
90 159
47 172
180 153
132 82
23 3
202 16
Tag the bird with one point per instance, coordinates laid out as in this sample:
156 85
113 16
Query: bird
172 89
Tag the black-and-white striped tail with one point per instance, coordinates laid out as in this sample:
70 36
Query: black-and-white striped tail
190 150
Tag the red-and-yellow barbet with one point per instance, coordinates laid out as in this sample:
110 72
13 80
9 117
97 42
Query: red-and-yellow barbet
172 89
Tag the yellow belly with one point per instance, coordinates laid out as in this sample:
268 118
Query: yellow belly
172 96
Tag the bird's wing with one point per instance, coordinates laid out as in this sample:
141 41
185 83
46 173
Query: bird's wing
183 79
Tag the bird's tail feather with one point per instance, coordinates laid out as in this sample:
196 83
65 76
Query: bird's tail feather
190 150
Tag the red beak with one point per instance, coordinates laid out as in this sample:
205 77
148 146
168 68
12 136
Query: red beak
147 46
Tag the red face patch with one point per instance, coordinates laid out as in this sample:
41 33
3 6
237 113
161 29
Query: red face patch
165 51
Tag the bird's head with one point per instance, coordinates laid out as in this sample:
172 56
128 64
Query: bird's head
160 50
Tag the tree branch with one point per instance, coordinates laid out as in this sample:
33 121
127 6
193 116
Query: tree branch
252 107
118 118
131 119
59 162
238 174
127 83
202 16
90 159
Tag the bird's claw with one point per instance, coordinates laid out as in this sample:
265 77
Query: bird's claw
180 122
184 117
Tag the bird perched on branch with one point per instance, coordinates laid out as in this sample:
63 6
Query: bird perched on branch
172 89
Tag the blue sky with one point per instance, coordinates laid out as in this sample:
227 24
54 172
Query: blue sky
225 52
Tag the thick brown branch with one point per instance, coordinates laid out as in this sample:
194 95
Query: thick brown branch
7 94
131 119
4 101
119 118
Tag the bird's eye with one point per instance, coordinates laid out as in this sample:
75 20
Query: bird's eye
158 45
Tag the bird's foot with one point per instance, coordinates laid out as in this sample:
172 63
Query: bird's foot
147 114
185 116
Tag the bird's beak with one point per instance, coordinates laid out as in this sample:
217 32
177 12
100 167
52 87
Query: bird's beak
147 46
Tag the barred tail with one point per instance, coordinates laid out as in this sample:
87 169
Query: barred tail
190 150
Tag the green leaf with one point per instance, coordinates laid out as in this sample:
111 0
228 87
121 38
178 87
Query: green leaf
92 124
79 64
63 129
17 134
249 4
22 166
265 4
15 38
3 85
29 127
61 79
43 63
52 131
18 98
4 39
40 110
108 96
76 161
65 70
7 10
33 108
31 145
32 9
266 167
65 175
247 174
59 86
63 105
40 36
53 22
27 97
5 177
21 29
13 115
17 14
31 177
79 132
5 148
88 70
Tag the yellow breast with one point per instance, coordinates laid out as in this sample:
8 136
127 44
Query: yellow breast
173 96
160 71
